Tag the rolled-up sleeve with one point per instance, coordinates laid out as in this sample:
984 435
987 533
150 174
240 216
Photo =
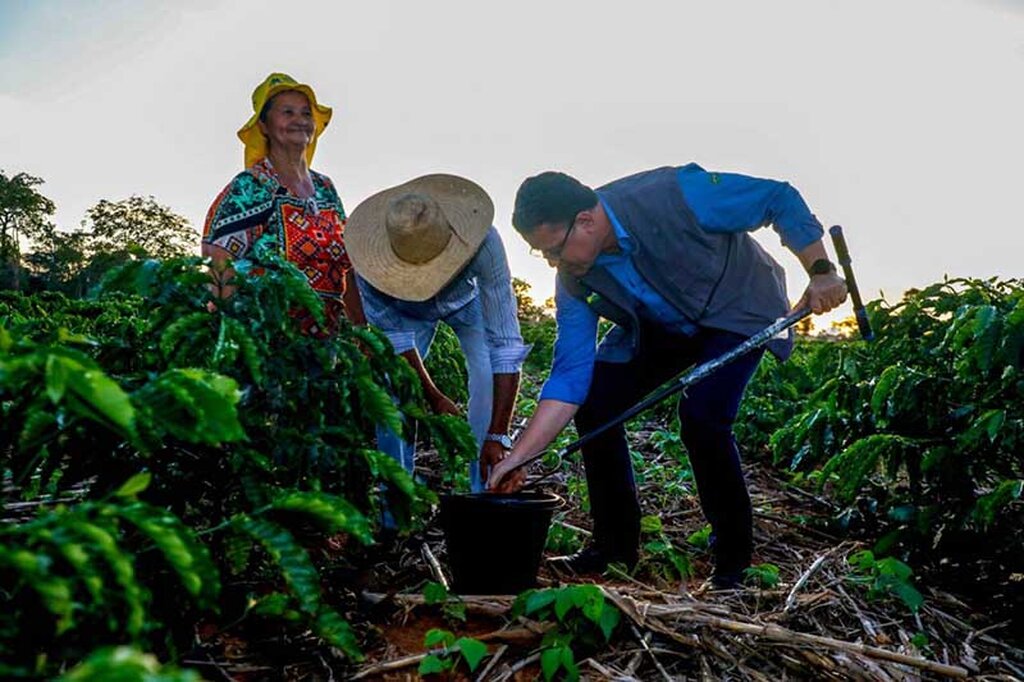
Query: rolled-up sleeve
729 202
575 349
501 316
401 331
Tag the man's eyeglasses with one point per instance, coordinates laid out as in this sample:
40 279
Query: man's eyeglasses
555 252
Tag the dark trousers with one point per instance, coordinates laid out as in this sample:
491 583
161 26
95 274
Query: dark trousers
706 412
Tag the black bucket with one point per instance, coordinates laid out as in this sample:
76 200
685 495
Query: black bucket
495 540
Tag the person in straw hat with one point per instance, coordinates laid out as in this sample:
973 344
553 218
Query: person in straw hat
426 252
278 195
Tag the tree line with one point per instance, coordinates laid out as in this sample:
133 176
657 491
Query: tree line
37 255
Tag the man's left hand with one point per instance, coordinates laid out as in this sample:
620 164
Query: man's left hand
490 454
823 293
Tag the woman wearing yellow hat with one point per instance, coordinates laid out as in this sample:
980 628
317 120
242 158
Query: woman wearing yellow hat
279 195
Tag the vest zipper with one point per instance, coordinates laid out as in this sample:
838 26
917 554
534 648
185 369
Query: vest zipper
721 276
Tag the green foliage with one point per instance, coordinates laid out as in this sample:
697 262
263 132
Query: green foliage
884 578
447 365
584 621
926 423
185 428
988 505
701 538
91 568
452 607
125 664
561 538
138 227
446 646
24 212
303 582
762 575
662 557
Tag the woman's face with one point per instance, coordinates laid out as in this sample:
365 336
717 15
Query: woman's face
289 121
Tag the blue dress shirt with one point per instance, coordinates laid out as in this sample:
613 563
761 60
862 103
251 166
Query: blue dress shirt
722 202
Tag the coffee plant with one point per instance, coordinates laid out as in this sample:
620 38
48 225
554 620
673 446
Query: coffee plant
927 421
583 620
179 449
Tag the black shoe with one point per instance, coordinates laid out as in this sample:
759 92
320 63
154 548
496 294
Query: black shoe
591 560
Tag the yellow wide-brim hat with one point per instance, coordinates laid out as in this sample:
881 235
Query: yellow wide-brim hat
372 239
255 141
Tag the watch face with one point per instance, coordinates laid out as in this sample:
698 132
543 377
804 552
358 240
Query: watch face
505 441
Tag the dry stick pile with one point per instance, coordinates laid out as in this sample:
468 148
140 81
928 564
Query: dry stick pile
812 629
815 624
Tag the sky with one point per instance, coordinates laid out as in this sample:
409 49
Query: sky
899 119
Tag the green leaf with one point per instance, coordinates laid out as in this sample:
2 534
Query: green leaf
331 512
298 570
434 593
432 664
121 567
765 575
651 524
338 632
473 651
193 405
125 664
54 592
56 378
273 604
550 662
134 485
908 594
563 602
438 637
886 385
987 506
701 538
572 673
181 548
99 397
539 599
377 404
891 566
610 617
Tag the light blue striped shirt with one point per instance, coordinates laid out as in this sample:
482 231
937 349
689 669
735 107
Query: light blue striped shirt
488 277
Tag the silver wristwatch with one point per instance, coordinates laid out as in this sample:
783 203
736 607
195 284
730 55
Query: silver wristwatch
502 438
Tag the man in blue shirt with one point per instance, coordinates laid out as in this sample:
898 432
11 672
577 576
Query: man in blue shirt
666 255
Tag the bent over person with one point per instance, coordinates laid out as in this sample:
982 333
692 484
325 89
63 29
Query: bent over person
425 252
280 196
666 255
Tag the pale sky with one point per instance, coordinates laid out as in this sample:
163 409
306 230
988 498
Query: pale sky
899 119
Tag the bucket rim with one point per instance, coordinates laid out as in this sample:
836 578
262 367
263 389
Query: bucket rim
529 500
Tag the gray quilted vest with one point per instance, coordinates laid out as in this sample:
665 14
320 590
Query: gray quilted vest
717 280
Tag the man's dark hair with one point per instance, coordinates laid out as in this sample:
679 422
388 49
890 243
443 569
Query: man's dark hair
550 197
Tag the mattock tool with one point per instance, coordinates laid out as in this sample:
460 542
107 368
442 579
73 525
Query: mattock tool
701 371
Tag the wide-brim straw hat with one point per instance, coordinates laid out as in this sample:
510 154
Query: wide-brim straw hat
253 138
437 222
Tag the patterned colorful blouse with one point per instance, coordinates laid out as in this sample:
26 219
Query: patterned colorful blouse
310 230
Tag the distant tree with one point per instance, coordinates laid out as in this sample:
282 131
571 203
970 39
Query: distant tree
58 261
528 309
137 227
24 213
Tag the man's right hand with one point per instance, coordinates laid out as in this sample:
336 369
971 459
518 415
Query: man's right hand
442 404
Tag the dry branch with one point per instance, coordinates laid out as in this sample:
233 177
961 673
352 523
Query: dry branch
804 577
